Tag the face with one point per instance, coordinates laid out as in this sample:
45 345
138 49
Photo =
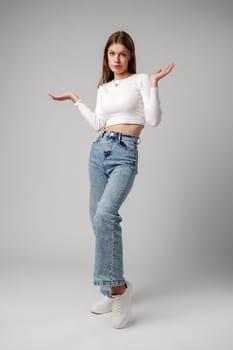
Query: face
118 58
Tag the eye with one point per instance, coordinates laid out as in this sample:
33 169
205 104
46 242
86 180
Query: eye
111 53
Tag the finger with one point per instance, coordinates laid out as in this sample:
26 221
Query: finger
170 66
58 97
51 95
54 97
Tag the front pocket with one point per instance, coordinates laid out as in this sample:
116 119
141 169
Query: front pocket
127 144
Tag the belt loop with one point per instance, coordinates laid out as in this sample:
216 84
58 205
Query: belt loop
102 133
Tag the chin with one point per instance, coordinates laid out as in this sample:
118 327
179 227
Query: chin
119 71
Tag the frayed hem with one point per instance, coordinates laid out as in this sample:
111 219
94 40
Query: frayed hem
106 286
109 283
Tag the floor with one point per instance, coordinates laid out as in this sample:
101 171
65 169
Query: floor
48 308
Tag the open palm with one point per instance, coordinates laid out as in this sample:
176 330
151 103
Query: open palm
160 73
61 97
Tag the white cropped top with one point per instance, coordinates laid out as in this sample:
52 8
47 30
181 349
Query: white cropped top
131 100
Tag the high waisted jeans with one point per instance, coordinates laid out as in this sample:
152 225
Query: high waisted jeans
113 165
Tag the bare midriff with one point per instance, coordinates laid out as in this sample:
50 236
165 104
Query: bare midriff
134 129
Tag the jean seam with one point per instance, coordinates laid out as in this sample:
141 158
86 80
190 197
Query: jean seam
112 257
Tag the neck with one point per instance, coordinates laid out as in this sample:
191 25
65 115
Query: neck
121 76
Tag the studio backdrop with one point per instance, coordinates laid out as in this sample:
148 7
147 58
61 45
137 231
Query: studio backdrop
178 217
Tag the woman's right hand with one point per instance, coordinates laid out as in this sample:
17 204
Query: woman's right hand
66 96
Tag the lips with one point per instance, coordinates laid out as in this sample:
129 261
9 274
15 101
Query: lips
116 66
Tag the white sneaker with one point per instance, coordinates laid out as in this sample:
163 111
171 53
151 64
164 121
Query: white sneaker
103 306
121 307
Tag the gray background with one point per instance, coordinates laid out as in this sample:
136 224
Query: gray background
177 221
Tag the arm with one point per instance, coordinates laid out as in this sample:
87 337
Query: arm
95 119
151 101
155 102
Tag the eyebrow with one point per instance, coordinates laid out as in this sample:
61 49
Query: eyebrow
114 51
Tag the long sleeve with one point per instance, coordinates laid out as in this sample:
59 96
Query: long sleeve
95 119
151 101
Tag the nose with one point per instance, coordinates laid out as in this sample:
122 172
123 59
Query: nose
117 58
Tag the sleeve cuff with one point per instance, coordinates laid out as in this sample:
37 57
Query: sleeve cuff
77 102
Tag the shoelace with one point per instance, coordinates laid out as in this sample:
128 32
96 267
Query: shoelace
116 305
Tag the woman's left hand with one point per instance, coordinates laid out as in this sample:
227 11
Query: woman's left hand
160 73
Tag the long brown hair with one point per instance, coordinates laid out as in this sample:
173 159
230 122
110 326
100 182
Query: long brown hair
125 39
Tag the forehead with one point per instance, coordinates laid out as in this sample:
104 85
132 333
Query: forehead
117 47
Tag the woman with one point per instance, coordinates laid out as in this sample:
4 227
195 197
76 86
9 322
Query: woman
125 101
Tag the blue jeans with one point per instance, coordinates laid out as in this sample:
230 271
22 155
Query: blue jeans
113 165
